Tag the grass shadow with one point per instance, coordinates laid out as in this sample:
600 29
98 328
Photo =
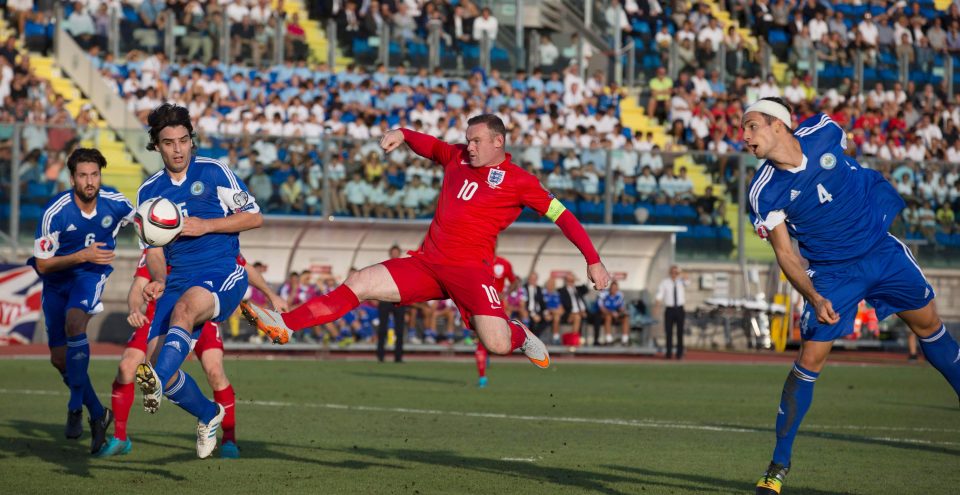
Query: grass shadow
906 444
397 376
698 480
584 480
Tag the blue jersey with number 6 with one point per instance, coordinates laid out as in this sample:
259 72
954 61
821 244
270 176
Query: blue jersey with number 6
65 229
834 208
209 190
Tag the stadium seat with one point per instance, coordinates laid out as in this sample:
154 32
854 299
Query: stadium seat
777 37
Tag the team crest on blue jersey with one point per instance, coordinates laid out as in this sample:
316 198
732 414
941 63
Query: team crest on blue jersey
107 222
828 161
197 188
495 177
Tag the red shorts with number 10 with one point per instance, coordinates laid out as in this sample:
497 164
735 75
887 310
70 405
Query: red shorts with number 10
209 337
470 287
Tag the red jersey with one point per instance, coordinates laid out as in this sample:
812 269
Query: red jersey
502 272
144 272
475 204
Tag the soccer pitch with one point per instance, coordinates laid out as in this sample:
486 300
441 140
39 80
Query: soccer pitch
423 427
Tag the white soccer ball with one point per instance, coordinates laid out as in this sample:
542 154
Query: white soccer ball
158 221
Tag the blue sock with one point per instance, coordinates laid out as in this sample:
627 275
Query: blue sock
176 348
186 394
944 354
90 399
794 403
78 359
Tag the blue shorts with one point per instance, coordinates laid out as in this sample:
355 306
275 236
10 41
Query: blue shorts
83 292
227 285
887 276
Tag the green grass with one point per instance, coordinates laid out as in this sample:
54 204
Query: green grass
422 427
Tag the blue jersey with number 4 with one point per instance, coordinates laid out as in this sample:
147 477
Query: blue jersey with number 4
209 190
64 229
834 208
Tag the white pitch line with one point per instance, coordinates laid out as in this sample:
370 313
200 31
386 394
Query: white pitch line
518 459
635 423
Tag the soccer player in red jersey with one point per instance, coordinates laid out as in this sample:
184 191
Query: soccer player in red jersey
502 272
483 192
209 350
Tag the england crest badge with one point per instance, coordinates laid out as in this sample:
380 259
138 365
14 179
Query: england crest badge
495 177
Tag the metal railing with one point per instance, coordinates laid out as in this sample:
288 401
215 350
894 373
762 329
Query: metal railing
601 185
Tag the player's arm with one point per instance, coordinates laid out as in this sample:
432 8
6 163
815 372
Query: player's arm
157 265
259 283
230 224
424 145
574 231
792 266
135 302
94 253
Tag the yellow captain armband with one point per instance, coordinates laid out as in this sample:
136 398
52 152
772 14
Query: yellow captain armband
555 210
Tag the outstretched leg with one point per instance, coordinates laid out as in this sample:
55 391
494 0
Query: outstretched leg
373 282
939 347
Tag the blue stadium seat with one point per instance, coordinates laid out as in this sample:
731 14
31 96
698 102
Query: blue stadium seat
651 61
361 46
30 212
41 190
777 37
590 212
885 57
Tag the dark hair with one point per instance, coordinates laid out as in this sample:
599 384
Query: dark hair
167 115
492 122
780 101
85 155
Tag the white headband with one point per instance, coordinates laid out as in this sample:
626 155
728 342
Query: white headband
772 109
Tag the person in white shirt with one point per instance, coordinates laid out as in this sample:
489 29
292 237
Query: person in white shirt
208 124
711 36
671 294
652 159
953 152
549 53
794 93
355 193
485 24
646 185
818 26
701 85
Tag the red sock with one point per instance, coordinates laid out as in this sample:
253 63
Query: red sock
120 401
481 355
322 309
517 336
226 399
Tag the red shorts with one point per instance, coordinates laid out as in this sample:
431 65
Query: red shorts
470 287
209 337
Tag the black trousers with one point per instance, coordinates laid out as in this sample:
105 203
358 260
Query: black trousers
400 328
673 317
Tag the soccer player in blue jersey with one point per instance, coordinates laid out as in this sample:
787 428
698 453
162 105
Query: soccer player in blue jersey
806 188
205 281
73 251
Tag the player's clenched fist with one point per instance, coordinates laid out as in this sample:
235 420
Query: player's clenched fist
153 290
391 140
97 253
597 273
